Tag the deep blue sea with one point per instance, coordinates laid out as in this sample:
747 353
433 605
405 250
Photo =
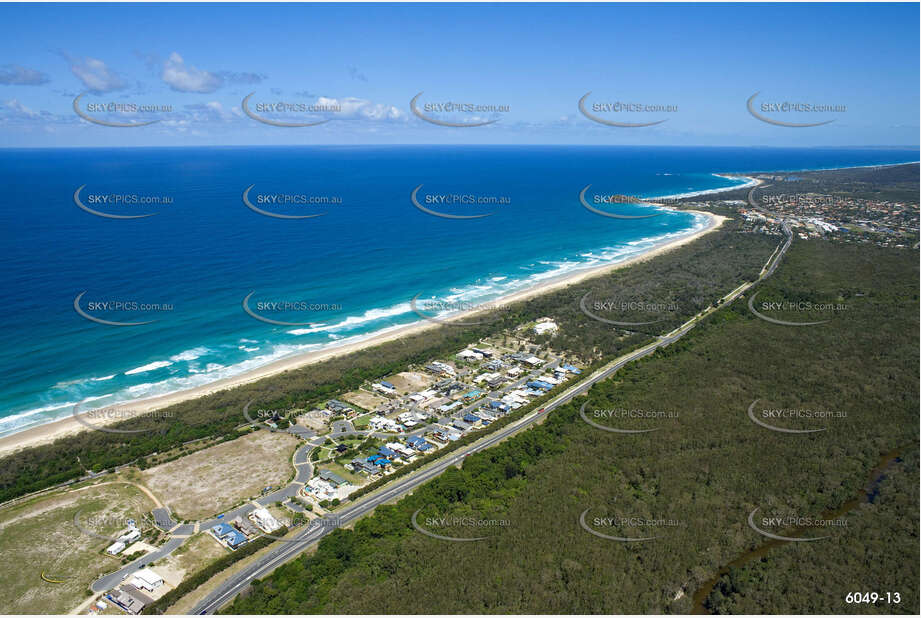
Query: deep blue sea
347 274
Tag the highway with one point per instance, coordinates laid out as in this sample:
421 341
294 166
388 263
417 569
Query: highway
785 225
284 552
303 473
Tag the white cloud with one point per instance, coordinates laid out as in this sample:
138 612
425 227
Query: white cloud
95 75
186 78
213 111
355 108
15 75
18 109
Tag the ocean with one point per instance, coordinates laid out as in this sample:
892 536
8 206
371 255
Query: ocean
325 280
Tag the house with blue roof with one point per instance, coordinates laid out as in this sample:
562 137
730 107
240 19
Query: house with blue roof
228 535
498 405
474 394
388 452
472 418
571 369
360 465
418 443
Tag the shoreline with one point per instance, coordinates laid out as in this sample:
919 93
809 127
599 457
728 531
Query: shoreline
26 435
70 425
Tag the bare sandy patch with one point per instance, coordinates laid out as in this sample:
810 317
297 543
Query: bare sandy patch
364 399
411 381
217 478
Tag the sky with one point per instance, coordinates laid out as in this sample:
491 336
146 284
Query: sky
528 64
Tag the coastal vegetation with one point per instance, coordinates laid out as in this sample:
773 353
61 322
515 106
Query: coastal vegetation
692 483
686 279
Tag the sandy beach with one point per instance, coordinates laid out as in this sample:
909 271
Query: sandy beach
69 425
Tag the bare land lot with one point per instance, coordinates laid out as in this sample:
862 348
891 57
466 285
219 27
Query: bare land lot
411 381
365 400
195 554
217 478
315 421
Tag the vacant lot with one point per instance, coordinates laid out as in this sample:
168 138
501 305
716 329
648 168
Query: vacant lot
365 400
194 555
411 381
214 479
354 479
315 420
39 536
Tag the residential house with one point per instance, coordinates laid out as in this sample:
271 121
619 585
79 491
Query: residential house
469 356
129 598
264 520
338 407
146 579
545 326
385 388
228 535
382 423
332 478
418 443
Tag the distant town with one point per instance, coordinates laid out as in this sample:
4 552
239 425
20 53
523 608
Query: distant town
842 218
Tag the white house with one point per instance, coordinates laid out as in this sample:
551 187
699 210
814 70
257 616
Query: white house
401 449
322 490
485 377
548 326
469 355
443 367
131 535
424 398
147 579
265 521
408 419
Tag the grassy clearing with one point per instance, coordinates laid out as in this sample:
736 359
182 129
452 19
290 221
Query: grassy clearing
39 536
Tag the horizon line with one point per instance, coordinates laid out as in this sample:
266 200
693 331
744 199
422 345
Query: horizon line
416 144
